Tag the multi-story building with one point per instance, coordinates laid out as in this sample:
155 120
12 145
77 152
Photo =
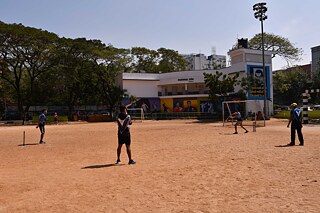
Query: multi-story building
306 69
315 57
176 91
201 62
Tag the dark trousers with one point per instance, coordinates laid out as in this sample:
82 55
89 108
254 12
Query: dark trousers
297 127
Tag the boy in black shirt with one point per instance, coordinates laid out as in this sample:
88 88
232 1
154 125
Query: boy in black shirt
124 122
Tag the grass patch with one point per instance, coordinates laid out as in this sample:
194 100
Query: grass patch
286 114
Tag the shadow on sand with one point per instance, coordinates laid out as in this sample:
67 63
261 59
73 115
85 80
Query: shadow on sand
29 144
101 166
283 146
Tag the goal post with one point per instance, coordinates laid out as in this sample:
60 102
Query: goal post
136 114
250 110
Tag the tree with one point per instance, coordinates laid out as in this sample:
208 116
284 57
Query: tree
73 74
220 85
108 63
281 46
170 61
145 60
24 55
289 86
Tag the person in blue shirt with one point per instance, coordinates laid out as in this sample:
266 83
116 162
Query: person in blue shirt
41 124
296 124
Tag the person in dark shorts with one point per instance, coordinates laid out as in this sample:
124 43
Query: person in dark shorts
238 117
41 124
124 122
296 125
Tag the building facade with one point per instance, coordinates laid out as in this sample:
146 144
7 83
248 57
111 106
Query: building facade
315 57
201 62
185 91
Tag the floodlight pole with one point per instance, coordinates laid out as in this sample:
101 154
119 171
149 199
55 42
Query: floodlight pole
260 9
265 105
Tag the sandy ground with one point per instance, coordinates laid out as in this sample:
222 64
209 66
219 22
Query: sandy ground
182 166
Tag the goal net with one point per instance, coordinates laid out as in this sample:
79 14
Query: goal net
251 112
136 114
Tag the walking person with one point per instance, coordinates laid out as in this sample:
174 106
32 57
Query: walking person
237 116
296 125
124 137
41 124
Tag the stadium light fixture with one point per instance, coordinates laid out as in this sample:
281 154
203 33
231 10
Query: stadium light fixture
260 10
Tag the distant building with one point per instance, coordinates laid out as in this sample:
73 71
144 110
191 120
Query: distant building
201 62
302 68
315 57
175 91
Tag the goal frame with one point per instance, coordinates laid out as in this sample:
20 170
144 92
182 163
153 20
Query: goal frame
137 109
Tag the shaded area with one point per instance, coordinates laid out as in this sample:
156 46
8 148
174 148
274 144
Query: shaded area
29 144
101 166
287 145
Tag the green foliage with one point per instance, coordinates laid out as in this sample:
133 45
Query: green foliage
170 61
289 86
145 60
24 56
281 46
40 68
220 84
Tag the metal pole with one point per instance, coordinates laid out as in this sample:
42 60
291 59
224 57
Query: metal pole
24 138
264 74
305 101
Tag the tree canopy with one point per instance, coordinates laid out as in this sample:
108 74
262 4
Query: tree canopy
281 46
220 84
38 67
289 86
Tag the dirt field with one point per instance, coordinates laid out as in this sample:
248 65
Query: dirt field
182 166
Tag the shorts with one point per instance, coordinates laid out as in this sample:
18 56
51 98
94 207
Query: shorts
124 139
239 123
42 129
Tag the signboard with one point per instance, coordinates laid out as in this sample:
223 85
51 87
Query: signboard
255 76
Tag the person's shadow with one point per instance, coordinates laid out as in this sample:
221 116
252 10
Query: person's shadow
29 144
283 146
101 166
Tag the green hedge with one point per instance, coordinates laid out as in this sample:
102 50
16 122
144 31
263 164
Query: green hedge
286 114
49 118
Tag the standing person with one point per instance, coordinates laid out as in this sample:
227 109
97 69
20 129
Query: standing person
124 122
237 116
145 107
55 118
41 124
296 124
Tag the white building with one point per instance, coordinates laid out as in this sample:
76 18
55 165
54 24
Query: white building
201 62
175 91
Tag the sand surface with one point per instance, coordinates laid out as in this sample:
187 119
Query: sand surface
182 166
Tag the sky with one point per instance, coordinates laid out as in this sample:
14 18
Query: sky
187 26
